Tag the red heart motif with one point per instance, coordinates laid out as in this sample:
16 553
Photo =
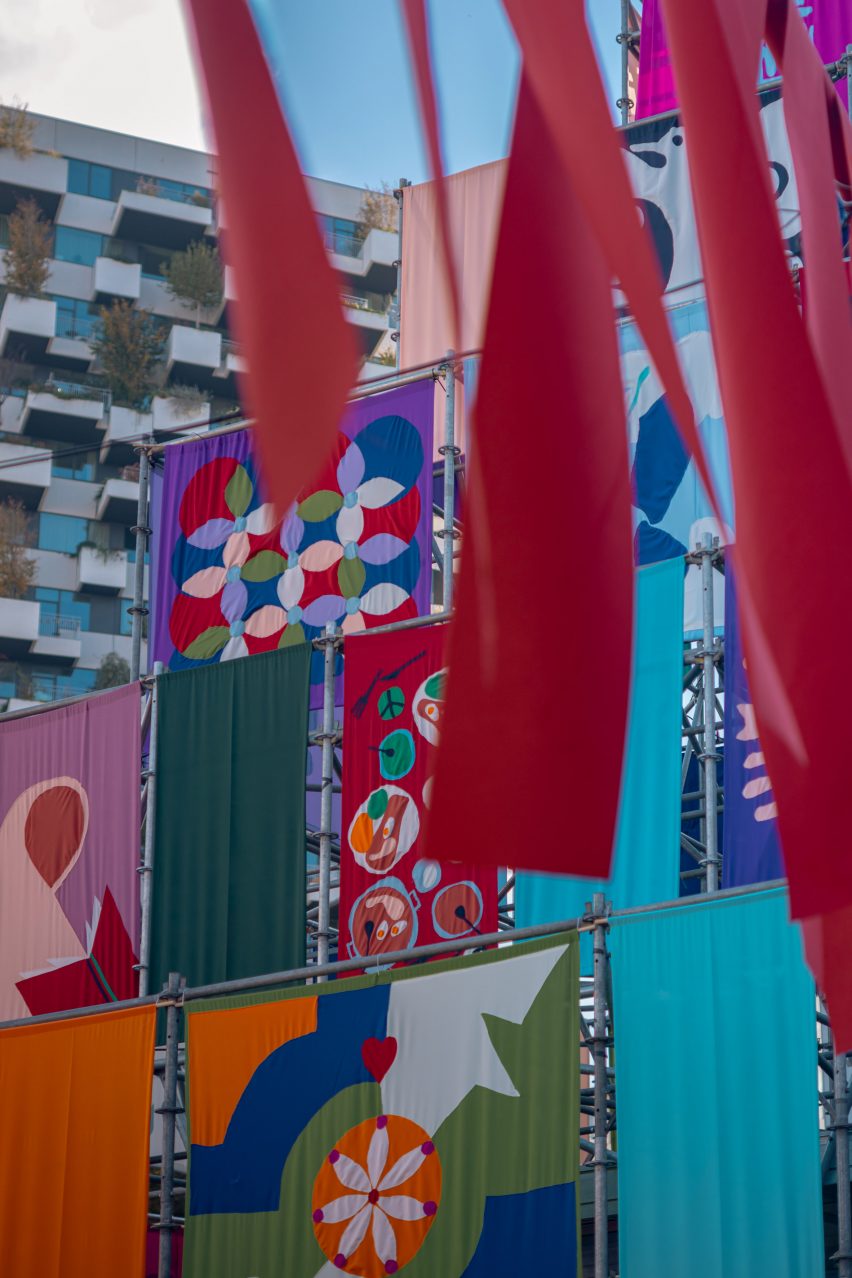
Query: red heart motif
378 1055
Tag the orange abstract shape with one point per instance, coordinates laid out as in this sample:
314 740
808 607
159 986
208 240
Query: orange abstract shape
230 1060
54 831
77 1134
376 1196
361 834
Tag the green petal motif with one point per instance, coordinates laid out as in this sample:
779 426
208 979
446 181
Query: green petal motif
208 643
376 804
238 492
319 506
351 575
263 566
291 636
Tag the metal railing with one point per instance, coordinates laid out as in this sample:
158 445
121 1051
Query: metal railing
345 245
74 390
54 625
78 326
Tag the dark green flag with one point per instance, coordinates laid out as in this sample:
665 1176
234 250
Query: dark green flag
229 865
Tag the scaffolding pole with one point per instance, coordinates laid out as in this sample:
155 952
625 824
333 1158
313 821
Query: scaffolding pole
142 531
624 41
169 1111
449 452
707 554
329 645
599 1046
840 1123
396 337
147 867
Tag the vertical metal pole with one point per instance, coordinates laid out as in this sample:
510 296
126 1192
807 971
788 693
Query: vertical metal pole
324 904
169 1112
147 867
449 452
599 1053
840 1115
709 666
138 611
624 100
403 183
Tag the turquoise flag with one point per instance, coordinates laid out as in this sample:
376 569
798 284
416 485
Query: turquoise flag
646 858
716 1175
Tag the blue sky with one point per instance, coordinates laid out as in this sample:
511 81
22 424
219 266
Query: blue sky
344 73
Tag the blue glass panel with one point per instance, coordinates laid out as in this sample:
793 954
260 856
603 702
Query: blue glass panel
61 532
78 177
72 245
100 181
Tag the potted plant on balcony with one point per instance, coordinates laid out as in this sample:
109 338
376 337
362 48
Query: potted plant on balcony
17 569
128 346
194 278
16 130
28 253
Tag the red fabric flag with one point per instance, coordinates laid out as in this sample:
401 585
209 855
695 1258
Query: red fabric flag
826 940
550 524
791 485
289 317
418 41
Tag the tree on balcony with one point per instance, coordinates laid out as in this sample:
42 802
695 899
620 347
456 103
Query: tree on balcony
378 211
112 672
17 569
28 253
128 347
194 277
16 130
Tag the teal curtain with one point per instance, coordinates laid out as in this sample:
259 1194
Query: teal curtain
646 857
229 863
715 1049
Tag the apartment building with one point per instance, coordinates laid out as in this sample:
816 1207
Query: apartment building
119 207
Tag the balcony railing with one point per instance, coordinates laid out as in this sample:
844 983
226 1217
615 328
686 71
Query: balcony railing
375 304
54 626
345 245
74 390
75 325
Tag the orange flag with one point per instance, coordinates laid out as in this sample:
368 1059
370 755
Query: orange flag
74 1153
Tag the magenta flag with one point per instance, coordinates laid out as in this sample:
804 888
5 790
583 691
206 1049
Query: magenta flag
828 23
69 848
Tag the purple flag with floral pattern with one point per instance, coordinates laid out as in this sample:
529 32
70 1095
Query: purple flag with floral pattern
233 579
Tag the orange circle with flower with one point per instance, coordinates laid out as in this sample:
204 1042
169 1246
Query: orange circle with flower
376 1196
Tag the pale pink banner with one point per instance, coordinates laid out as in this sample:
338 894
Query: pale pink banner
828 23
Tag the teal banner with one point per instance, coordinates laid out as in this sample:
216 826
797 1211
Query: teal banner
717 1174
646 858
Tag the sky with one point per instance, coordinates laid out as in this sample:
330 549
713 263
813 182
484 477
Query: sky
342 70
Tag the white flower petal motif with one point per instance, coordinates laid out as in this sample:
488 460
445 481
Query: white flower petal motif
377 1154
320 556
380 600
401 1207
355 1231
235 647
351 1175
350 524
353 623
403 1169
291 583
384 1239
344 1208
262 520
375 493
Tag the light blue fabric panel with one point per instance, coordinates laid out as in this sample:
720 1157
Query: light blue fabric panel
646 858
715 1048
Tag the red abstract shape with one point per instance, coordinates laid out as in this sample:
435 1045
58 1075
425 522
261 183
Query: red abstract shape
378 1055
274 246
500 711
54 830
204 496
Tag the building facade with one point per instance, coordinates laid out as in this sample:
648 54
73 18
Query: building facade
118 209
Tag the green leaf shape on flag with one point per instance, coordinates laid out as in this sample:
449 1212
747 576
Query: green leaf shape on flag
376 804
238 492
319 506
263 566
391 702
351 575
208 643
291 636
435 686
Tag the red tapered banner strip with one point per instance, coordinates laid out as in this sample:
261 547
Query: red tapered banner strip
550 523
418 42
289 318
791 484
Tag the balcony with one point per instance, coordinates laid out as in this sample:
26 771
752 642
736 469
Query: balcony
371 260
19 626
26 326
119 500
58 639
65 411
193 355
174 414
101 571
70 348
44 177
230 371
123 427
114 279
24 474
152 218
369 316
